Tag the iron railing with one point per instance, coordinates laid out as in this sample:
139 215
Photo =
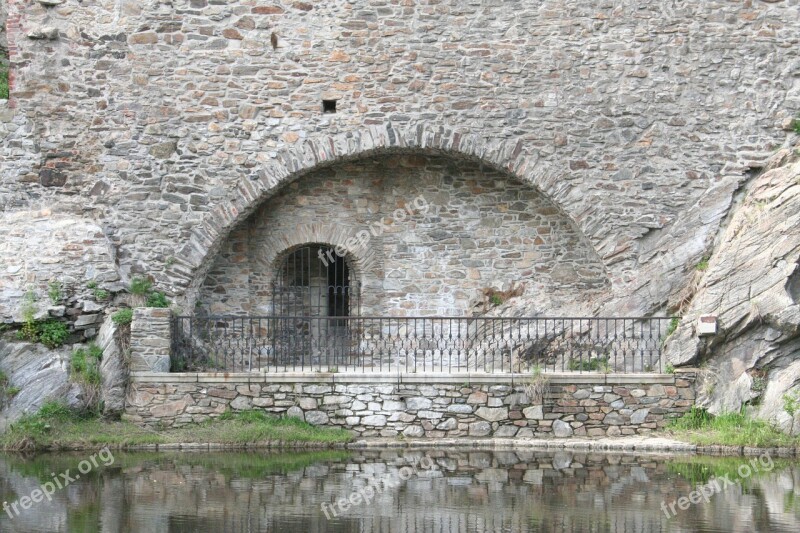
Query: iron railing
418 344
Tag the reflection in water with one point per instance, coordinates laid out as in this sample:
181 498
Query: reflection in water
464 492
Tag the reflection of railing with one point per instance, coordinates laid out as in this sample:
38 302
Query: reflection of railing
417 344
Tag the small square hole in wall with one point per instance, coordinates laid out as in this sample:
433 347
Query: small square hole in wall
329 106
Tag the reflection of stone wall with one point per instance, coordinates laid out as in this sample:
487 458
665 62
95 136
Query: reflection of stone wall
466 491
421 406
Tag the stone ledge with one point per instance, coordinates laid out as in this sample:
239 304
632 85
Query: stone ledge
565 378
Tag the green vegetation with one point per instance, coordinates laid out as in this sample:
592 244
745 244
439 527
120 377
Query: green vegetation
729 429
52 333
673 325
703 264
796 125
123 317
56 426
669 369
593 364
495 299
54 291
3 83
141 286
85 364
537 386
157 299
791 404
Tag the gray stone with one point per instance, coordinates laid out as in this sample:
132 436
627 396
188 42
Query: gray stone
492 414
414 404
480 429
535 412
374 420
506 431
414 432
447 424
316 418
460 408
639 416
241 403
295 412
561 429
613 419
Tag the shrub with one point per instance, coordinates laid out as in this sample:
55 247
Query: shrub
52 333
123 317
100 294
84 367
157 299
54 291
140 286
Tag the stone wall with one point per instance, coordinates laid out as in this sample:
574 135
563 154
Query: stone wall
479 229
167 123
430 406
150 339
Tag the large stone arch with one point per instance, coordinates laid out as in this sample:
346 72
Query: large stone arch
506 155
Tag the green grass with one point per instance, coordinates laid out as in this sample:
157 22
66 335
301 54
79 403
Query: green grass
703 264
3 83
56 426
729 429
123 317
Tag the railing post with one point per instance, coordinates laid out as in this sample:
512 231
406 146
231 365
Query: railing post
151 339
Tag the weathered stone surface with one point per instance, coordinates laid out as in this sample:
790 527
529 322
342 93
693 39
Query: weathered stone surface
374 420
751 285
561 429
295 412
316 418
40 374
492 414
480 429
113 370
414 432
535 412
413 404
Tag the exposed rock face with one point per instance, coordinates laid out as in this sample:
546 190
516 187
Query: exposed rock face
113 370
40 374
752 284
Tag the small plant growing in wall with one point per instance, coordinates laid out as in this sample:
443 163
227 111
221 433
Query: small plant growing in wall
703 264
123 317
85 369
54 291
791 404
537 386
52 333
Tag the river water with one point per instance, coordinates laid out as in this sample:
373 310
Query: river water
396 491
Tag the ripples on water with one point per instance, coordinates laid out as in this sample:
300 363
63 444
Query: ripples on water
500 491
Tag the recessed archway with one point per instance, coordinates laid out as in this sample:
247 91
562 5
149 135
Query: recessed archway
425 234
508 156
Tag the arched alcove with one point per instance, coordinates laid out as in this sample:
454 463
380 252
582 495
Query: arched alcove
424 233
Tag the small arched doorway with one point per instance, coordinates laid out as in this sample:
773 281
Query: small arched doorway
313 281
313 294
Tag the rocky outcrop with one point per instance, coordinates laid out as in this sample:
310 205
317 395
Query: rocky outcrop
38 374
113 370
752 285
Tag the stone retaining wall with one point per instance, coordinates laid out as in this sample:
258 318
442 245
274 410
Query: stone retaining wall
433 406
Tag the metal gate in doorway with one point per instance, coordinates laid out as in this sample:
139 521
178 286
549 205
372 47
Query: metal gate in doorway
313 287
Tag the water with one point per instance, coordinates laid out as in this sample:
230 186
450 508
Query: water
443 491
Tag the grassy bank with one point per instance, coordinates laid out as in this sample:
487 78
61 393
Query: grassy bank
729 429
56 426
